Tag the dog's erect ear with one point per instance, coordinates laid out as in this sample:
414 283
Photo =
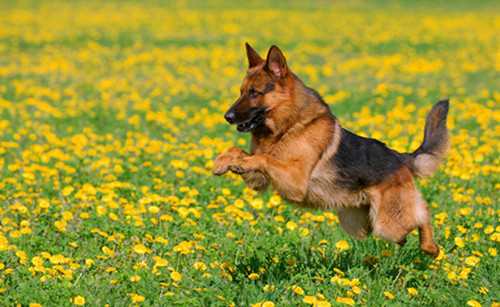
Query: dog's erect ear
276 62
254 58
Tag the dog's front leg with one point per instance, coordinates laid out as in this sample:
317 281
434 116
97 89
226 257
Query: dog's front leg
289 179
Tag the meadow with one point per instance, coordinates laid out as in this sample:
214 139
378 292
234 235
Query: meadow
111 114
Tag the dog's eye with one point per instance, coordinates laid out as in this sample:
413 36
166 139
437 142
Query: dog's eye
253 93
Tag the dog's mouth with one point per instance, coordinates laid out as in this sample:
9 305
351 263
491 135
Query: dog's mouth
254 122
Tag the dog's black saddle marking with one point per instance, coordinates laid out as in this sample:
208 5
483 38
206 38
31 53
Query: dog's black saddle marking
362 162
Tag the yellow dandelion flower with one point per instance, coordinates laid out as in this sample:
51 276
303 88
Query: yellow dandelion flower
346 300
184 248
388 295
153 209
140 249
309 300
200 266
279 219
274 201
43 204
412 291
79 300
37 261
489 230
136 298
254 276
257 204
67 191
291 225
473 303
135 278
176 276
343 245
492 251
472 260
323 242
459 242
298 290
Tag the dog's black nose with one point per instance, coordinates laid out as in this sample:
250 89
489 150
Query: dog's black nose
230 116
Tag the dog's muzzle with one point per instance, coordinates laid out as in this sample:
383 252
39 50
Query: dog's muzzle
253 118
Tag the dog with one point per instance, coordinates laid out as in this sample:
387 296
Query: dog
299 148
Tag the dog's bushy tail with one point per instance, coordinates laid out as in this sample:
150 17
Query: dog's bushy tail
425 160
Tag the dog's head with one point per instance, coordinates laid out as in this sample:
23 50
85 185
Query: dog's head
263 89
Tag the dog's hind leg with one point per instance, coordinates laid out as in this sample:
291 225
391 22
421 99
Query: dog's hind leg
355 221
397 208
427 243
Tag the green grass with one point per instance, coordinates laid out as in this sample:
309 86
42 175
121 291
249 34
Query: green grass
107 98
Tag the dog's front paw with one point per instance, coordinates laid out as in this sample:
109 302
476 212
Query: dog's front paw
244 165
237 169
221 165
222 162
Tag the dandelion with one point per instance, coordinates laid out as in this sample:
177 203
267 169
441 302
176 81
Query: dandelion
472 260
491 250
44 204
136 298
323 242
274 201
79 300
176 276
291 225
345 300
140 249
309 300
257 204
153 209
254 276
459 242
342 245
297 290
412 291
200 266
67 191
388 295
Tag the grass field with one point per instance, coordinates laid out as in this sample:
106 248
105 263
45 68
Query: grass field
111 115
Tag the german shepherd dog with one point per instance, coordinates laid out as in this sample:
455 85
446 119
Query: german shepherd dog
300 149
